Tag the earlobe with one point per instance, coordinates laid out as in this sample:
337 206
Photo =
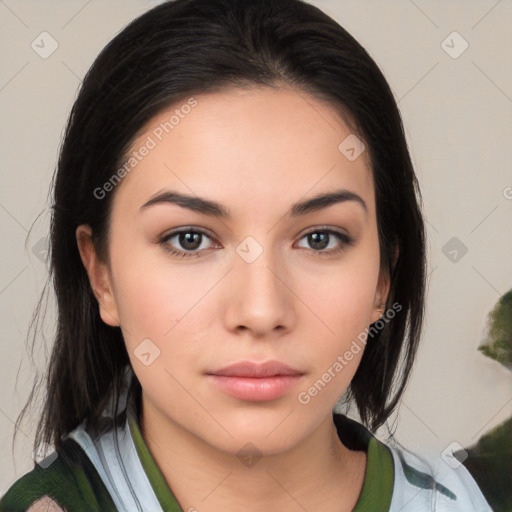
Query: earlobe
98 274
378 311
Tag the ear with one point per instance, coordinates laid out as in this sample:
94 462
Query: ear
381 296
382 291
99 276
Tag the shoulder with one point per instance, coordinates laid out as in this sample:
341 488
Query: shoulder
65 480
45 504
429 482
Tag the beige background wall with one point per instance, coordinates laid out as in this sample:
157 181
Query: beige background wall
458 115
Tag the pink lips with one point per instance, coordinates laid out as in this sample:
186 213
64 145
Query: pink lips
256 382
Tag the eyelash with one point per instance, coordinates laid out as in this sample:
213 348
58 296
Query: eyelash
343 238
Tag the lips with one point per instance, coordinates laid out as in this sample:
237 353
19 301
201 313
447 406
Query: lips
256 370
256 382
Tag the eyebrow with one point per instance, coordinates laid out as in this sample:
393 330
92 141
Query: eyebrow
214 209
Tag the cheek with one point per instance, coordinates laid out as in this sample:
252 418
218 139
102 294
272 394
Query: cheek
350 299
165 308
162 309
342 295
153 295
343 302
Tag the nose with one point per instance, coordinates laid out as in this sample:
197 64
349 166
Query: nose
259 297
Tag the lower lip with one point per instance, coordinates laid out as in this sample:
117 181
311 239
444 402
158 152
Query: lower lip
255 389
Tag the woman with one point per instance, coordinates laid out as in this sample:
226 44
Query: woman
236 243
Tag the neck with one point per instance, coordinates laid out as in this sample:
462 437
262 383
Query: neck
319 469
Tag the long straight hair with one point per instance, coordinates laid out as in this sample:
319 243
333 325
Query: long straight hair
186 47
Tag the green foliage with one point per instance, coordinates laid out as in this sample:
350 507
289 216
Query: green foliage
490 464
489 460
498 344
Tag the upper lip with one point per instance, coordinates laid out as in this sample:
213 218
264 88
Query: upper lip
253 369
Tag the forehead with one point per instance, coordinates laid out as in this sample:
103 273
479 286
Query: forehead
245 146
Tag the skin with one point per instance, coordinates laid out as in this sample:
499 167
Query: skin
256 152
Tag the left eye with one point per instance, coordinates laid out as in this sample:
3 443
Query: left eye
320 239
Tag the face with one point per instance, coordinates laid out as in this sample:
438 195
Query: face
252 278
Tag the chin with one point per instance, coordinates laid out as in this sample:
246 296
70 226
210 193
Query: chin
255 444
267 432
